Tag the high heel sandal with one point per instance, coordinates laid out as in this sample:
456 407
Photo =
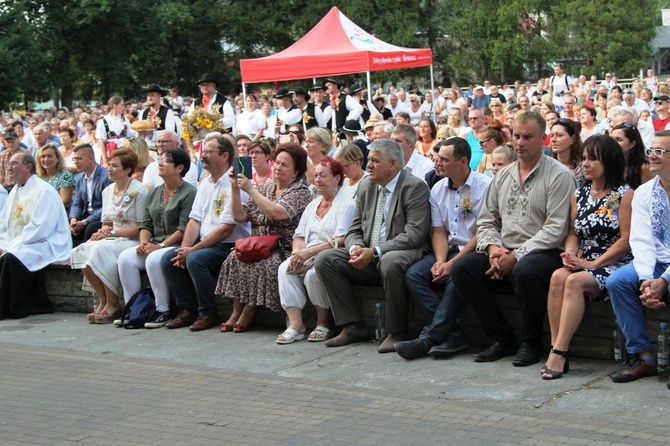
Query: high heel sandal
553 374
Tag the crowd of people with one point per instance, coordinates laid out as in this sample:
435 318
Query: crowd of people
556 193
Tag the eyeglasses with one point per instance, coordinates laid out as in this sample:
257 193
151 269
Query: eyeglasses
474 118
481 143
165 161
161 142
659 102
209 152
568 123
256 152
656 152
15 163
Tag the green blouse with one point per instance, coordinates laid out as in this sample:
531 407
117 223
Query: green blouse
163 221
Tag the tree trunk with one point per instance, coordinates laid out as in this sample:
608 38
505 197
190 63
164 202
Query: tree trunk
66 96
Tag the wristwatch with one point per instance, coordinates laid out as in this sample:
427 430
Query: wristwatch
84 222
113 232
161 244
375 255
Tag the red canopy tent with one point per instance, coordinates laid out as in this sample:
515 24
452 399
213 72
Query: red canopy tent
335 46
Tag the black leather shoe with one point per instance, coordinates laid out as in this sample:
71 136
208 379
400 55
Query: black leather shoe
635 369
413 349
496 351
526 356
451 346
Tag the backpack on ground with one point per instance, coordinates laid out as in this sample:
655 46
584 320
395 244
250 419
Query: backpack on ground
139 309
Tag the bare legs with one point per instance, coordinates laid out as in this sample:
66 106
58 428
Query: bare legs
565 307
109 302
242 317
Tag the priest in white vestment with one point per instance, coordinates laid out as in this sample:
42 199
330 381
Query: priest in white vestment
34 233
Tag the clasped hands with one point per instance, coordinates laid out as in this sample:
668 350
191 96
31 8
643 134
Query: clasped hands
502 262
180 259
361 257
298 258
102 233
652 293
146 248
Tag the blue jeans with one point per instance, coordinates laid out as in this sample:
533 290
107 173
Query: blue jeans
193 287
623 287
440 304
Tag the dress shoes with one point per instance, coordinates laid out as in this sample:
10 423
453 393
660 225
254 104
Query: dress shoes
526 356
635 369
496 351
413 349
451 346
388 345
183 319
204 323
348 335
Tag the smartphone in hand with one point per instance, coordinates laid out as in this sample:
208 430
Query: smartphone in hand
242 165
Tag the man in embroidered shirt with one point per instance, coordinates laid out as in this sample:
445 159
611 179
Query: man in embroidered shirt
33 233
210 234
521 227
417 165
645 280
455 202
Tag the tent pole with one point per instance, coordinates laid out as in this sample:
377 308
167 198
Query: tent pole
369 91
432 90
244 91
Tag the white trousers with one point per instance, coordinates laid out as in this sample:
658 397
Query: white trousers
294 289
130 266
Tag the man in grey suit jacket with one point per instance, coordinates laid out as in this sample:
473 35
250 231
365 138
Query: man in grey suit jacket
388 234
86 212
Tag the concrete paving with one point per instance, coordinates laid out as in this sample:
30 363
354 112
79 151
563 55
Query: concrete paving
65 381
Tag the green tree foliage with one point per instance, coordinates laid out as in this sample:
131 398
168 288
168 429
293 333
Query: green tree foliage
96 48
612 35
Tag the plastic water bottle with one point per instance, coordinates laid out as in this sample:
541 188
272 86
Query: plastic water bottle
619 346
662 349
380 331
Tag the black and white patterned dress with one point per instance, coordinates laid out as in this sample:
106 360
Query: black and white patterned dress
597 226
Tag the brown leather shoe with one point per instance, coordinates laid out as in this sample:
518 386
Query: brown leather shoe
348 335
635 369
388 345
204 323
183 319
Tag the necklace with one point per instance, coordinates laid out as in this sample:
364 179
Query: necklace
168 195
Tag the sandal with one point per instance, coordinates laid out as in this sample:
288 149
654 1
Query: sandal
553 374
319 334
90 317
106 318
226 327
240 328
290 336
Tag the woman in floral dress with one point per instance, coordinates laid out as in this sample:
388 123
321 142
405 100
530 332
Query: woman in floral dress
273 209
596 245
123 205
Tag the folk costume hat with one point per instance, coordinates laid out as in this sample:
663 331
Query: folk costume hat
300 90
351 127
283 92
333 80
208 77
154 88
355 88
317 86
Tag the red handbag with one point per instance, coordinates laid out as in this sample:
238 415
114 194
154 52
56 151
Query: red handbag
257 247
